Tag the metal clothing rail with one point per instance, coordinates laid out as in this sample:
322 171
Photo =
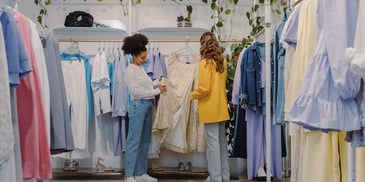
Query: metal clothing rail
119 40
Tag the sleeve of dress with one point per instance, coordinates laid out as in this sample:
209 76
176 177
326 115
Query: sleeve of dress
237 80
338 39
204 83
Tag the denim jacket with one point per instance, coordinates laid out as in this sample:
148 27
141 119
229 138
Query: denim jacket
252 92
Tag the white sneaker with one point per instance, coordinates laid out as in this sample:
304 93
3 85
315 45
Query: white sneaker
146 177
129 179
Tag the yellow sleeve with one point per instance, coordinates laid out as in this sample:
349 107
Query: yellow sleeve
204 83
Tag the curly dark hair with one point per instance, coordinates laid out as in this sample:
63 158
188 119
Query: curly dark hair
135 44
210 49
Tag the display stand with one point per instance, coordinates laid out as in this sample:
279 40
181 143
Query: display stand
268 85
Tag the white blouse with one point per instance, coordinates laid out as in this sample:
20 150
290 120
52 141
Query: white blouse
140 86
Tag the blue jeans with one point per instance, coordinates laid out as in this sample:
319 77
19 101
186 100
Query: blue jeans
139 137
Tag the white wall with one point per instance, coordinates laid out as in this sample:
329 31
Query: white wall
151 13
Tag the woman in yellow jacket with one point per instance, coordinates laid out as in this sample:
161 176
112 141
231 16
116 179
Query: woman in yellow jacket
213 106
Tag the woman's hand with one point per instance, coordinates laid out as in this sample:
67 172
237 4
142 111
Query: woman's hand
163 89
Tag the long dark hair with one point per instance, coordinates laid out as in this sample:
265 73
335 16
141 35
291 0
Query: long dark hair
210 49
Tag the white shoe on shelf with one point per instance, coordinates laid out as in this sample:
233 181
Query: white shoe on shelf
146 178
129 179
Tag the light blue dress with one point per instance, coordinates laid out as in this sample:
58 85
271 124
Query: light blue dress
327 97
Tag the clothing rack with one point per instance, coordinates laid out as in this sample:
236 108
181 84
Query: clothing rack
118 40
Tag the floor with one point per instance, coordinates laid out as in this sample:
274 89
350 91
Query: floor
90 175
160 180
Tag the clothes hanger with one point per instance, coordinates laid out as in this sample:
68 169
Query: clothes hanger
73 48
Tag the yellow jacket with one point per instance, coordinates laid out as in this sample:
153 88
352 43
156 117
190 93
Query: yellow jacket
211 93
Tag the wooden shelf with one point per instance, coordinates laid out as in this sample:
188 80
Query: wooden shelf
162 173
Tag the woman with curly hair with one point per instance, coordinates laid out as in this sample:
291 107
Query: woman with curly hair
213 106
142 90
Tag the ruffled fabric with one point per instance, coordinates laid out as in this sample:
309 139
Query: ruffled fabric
357 61
319 105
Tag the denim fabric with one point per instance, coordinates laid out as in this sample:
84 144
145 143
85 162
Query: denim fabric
240 135
278 84
139 137
252 91
217 152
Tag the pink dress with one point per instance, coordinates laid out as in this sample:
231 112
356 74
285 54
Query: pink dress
35 151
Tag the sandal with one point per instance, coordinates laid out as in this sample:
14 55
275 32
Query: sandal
153 167
70 166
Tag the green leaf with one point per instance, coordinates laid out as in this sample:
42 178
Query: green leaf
41 12
228 11
36 2
219 24
278 11
250 21
261 1
235 2
256 7
189 8
213 6
248 15
205 1
39 19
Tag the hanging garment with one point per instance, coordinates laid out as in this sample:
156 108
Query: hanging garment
74 68
61 132
176 123
356 53
43 75
327 97
6 127
356 56
120 92
18 61
100 84
35 151
278 83
120 103
256 147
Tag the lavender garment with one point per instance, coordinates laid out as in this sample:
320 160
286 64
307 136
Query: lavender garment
237 80
120 134
120 92
256 146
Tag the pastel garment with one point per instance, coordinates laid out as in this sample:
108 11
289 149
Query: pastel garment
100 84
304 50
35 150
61 132
6 127
74 77
356 53
120 91
17 58
43 75
327 97
256 145
176 121
237 80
